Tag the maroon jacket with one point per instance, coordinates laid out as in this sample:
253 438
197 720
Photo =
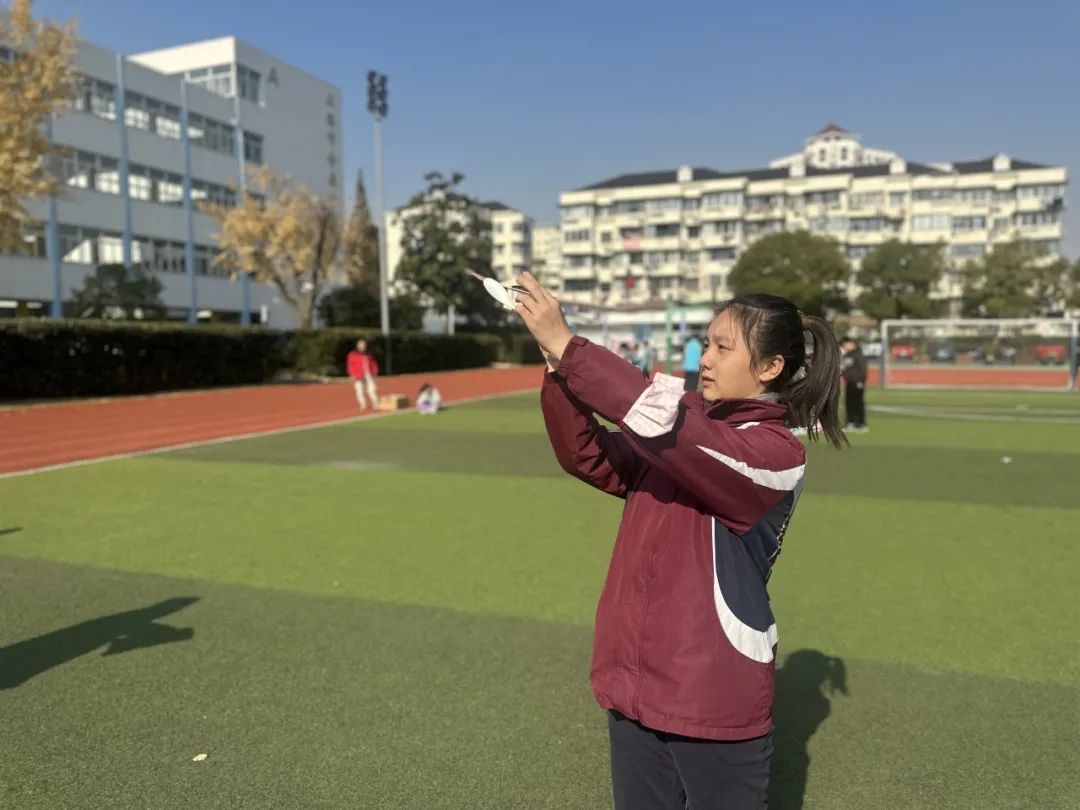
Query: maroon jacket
685 638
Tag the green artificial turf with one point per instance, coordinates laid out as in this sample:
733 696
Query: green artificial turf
397 613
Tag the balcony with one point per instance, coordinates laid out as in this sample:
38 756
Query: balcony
660 243
577 272
1038 232
764 212
660 217
713 240
663 270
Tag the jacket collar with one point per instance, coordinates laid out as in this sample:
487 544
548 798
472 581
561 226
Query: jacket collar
765 408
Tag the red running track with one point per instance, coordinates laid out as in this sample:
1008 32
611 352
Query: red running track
40 436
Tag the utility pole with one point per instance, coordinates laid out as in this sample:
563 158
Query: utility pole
377 106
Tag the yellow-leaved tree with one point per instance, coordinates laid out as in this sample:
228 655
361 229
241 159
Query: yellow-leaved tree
286 236
37 81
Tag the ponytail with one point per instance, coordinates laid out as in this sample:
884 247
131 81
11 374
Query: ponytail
812 394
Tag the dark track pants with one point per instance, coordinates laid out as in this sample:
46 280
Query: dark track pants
855 401
654 770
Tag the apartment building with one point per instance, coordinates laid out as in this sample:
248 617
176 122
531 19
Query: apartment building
676 234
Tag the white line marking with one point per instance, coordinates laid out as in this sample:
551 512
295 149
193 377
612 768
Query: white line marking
241 436
968 416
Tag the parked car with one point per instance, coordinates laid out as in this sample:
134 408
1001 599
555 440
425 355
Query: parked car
871 351
1003 353
1050 354
941 351
902 351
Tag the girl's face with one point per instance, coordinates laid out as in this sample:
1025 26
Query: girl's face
726 371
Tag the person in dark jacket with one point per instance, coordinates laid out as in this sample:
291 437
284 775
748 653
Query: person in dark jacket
685 642
854 366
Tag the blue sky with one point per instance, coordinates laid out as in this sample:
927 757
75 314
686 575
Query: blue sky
528 99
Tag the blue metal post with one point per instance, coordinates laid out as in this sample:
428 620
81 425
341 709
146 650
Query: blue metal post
245 278
125 189
189 243
52 246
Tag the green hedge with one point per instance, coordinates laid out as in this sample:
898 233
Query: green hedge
48 359
323 351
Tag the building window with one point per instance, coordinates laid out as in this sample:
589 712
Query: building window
135 113
822 197
250 84
98 98
217 79
962 224
110 250
139 185
169 188
581 235
931 194
868 224
605 237
827 224
253 148
77 169
107 176
722 199
572 212
728 254
1040 192
212 135
1035 219
658 258
691 257
843 153
867 199
659 206
972 195
931 222
897 198
727 227
661 231
77 245
579 284
857 252
519 227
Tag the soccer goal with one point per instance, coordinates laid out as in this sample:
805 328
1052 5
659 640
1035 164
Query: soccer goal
1035 353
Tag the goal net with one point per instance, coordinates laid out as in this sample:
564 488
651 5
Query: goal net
1038 353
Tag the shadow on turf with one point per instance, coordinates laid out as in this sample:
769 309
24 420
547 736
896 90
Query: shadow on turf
122 632
804 685
10 530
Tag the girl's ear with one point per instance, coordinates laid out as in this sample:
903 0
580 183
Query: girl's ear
771 369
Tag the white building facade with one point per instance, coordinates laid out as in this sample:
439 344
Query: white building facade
127 122
547 256
676 234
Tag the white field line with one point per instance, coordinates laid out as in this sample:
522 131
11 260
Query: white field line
970 416
241 436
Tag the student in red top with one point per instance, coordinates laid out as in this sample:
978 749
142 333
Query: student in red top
685 641
363 369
